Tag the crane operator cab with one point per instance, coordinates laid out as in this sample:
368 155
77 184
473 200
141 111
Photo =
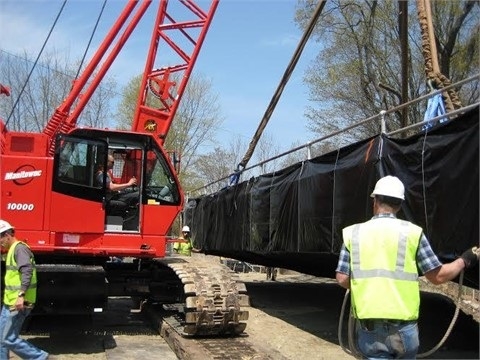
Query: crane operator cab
126 174
122 200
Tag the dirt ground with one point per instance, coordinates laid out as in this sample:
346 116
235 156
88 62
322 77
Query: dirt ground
293 315
304 313
296 316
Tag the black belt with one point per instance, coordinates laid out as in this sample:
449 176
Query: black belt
370 324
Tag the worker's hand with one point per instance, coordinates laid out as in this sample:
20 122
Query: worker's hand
19 304
470 257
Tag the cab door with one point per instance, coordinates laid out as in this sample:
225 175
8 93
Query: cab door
77 202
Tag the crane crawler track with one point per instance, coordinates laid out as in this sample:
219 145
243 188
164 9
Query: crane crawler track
215 298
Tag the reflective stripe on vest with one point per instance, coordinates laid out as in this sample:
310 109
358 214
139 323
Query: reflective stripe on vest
384 278
13 280
398 273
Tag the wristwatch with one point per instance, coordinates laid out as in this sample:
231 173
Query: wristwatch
21 294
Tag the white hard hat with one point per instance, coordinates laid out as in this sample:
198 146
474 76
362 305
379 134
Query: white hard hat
185 229
389 186
4 226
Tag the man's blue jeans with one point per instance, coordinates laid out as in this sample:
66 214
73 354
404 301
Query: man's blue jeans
385 340
10 326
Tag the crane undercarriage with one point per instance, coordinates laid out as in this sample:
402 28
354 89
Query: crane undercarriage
208 297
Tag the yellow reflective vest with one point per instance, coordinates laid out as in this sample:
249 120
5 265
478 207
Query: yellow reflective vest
183 248
383 268
13 280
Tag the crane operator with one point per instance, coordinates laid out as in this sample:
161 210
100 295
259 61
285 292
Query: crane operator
118 198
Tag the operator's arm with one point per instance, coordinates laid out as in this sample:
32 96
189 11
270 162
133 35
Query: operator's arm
111 185
118 187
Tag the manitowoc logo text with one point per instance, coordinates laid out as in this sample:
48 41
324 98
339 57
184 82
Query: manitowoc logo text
22 174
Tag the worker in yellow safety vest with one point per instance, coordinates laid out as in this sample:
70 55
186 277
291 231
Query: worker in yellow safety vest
378 263
19 296
185 246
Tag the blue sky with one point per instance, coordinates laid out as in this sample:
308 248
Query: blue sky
245 54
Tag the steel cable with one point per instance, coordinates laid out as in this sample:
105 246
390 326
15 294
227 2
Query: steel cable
281 86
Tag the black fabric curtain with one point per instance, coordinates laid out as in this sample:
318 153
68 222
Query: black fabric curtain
293 218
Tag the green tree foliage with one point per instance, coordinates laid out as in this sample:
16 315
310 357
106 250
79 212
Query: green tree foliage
359 49
194 125
127 104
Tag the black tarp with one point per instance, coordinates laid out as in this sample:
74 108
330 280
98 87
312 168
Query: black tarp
293 218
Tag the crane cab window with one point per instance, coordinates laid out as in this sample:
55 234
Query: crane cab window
75 167
76 162
160 184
